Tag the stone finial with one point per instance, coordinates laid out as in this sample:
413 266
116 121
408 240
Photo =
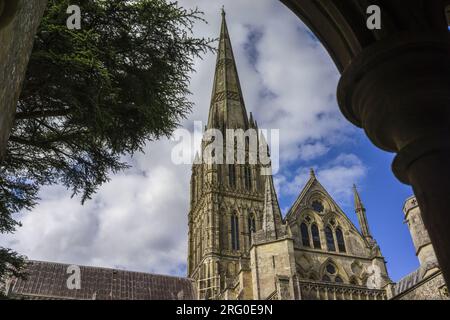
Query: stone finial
362 218
312 174
358 203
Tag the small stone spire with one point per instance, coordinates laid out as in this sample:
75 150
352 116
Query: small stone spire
197 159
272 219
312 174
252 121
361 213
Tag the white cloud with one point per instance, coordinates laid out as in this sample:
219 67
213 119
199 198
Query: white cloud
337 177
138 221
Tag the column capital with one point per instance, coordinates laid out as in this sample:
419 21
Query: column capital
397 91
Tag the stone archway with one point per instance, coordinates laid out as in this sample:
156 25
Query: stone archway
395 85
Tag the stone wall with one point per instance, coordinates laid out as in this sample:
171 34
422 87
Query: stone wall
271 263
16 43
431 288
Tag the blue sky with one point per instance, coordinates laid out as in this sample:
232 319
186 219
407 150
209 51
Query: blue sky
138 221
383 196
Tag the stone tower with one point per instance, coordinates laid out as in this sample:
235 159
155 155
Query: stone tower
272 254
227 200
419 234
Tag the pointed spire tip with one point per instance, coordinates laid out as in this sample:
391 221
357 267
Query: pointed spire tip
223 11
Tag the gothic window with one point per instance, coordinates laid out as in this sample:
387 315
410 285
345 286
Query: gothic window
331 269
248 178
317 206
330 239
231 176
251 227
316 237
340 240
305 235
326 278
234 232
333 222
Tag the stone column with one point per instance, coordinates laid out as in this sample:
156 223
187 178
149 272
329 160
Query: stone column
398 91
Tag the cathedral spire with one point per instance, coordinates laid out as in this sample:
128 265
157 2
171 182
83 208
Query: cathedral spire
272 219
227 109
361 212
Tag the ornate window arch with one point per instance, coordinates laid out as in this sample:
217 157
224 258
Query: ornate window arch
319 203
305 235
340 240
331 272
315 236
329 237
326 278
317 206
234 232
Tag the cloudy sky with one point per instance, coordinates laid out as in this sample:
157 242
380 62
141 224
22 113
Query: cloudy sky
138 221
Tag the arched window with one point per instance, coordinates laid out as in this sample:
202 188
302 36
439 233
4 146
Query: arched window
340 240
231 176
251 227
326 278
248 177
317 206
305 235
331 269
330 239
234 232
316 237
338 280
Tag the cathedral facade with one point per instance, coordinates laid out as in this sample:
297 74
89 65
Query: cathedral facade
241 247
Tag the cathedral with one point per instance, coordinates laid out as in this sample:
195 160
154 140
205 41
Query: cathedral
240 247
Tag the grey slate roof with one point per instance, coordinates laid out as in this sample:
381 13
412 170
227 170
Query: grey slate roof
47 280
413 278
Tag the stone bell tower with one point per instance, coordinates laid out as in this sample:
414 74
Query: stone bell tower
419 234
227 200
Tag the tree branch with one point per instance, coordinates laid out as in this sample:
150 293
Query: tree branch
42 114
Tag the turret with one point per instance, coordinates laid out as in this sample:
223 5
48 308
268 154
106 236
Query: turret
419 234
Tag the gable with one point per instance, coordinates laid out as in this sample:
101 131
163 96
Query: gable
314 201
